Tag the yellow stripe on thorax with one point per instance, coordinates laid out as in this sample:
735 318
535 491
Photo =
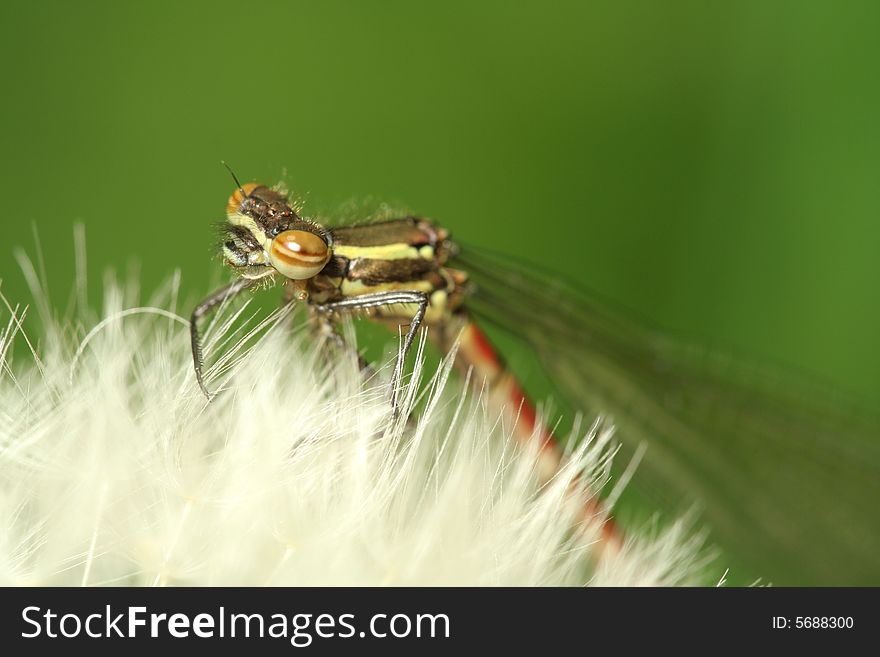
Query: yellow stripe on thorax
356 288
396 251
437 310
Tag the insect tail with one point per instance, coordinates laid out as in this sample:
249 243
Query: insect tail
477 353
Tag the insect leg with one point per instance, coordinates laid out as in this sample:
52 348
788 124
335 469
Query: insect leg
326 334
367 301
207 304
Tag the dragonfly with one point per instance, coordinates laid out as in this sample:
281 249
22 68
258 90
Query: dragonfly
785 474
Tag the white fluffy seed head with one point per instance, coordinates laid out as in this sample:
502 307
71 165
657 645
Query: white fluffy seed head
115 470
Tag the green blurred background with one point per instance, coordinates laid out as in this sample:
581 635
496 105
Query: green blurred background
713 165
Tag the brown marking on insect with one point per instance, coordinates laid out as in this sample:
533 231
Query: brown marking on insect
396 231
299 247
375 272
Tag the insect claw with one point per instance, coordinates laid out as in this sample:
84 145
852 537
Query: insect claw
208 394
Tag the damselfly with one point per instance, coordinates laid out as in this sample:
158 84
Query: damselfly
786 478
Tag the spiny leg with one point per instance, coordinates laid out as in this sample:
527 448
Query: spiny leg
208 304
320 324
379 299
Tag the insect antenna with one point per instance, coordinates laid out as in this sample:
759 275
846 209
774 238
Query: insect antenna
235 178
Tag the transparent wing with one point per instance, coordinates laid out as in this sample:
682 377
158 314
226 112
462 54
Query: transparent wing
787 474
358 212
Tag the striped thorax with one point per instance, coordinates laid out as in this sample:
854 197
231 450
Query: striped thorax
266 237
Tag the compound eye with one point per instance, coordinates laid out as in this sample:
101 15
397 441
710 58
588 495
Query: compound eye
233 205
298 254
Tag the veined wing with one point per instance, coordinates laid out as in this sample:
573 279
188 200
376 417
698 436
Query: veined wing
787 474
